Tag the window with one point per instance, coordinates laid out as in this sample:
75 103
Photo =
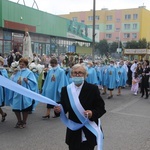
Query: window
126 35
96 26
127 16
74 19
90 18
117 29
109 18
82 21
118 19
135 26
108 27
108 36
135 16
126 26
134 35
96 17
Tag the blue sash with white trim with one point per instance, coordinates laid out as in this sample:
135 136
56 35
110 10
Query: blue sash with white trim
79 111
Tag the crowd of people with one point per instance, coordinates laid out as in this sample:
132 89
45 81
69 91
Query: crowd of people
87 77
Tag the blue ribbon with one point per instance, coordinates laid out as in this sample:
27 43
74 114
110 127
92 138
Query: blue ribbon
7 83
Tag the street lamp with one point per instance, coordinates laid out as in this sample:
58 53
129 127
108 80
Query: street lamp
93 35
119 49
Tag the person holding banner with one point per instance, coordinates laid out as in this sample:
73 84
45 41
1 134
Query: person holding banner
22 105
3 99
82 100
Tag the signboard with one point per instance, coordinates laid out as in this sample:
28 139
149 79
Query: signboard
135 51
81 31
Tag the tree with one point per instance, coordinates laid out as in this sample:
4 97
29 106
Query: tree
132 45
142 43
102 47
113 47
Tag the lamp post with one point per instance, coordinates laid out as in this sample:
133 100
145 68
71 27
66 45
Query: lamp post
118 49
119 40
93 35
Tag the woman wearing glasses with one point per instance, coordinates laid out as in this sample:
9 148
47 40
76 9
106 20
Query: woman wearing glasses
81 94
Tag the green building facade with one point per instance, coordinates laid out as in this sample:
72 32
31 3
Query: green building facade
49 33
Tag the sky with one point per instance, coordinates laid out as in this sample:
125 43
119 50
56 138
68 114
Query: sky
58 7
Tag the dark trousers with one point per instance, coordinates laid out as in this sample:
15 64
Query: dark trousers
83 146
144 90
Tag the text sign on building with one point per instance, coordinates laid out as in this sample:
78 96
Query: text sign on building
135 51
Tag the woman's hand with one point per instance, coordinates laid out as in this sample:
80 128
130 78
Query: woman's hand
88 114
25 79
57 109
19 82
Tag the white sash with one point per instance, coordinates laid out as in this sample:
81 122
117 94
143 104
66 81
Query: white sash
79 111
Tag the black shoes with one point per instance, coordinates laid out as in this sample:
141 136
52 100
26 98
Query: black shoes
46 117
3 117
55 116
142 95
110 96
103 93
20 125
145 97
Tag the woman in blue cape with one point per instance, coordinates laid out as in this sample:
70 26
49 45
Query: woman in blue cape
19 103
111 78
122 77
54 81
92 75
3 72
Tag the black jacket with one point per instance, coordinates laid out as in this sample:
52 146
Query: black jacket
90 100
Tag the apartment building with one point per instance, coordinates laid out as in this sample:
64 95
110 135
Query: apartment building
116 25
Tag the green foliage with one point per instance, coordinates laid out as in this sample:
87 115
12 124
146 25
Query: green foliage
102 47
132 44
113 47
142 43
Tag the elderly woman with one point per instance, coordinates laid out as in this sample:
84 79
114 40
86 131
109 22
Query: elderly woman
87 96
3 72
22 104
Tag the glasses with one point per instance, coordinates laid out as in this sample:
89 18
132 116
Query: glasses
78 73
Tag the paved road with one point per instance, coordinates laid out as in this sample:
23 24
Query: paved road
126 126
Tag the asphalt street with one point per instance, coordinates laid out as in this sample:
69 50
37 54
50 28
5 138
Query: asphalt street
126 126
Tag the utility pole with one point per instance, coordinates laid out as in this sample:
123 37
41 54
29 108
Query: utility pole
93 35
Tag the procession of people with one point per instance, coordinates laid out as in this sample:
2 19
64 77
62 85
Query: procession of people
71 81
